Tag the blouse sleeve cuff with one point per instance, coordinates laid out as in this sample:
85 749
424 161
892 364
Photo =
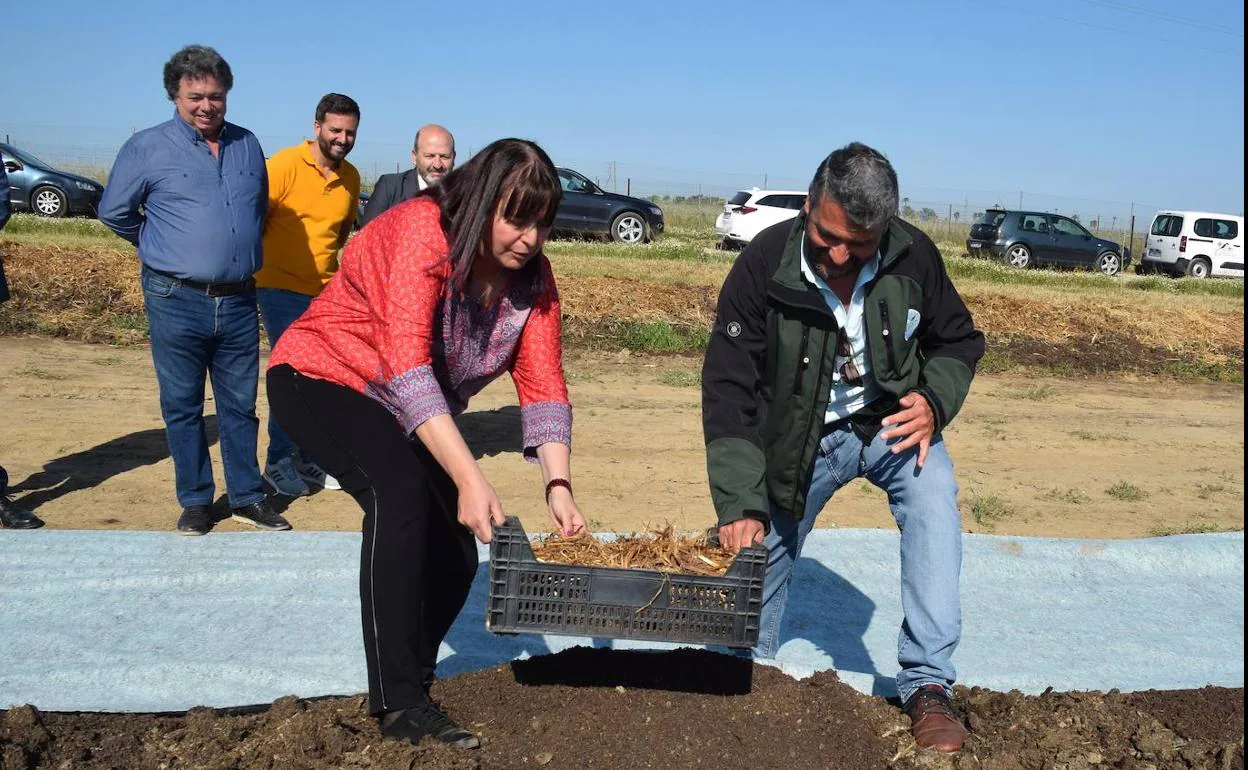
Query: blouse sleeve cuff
412 397
545 422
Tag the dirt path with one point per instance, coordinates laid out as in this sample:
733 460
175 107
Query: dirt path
81 436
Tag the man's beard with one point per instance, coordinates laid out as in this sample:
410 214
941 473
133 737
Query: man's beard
331 152
828 271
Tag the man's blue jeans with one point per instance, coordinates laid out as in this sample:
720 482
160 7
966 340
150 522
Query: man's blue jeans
924 505
192 335
279 309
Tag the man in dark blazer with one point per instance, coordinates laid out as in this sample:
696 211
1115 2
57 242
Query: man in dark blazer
433 155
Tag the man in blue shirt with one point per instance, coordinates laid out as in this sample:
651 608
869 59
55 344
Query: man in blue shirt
191 193
11 517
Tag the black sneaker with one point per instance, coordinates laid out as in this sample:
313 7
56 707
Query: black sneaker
417 722
261 516
195 520
12 517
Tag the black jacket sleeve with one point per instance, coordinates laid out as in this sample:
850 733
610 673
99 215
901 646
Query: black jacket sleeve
731 393
385 194
950 344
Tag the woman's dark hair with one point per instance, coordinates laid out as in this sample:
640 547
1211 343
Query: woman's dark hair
514 177
196 61
336 104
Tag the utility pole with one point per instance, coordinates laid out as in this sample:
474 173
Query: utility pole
1131 237
1020 200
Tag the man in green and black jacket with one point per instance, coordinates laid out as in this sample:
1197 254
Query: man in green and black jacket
841 349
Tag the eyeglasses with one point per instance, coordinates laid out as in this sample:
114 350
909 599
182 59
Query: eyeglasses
848 369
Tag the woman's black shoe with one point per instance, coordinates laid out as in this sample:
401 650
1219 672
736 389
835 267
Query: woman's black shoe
12 517
417 722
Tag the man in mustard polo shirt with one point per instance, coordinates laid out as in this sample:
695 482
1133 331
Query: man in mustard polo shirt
313 196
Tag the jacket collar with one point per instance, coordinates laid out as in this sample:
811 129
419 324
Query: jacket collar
410 184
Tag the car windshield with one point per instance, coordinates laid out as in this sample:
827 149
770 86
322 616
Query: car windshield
740 198
29 160
992 218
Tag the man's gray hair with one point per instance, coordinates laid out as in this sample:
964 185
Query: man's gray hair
862 181
196 61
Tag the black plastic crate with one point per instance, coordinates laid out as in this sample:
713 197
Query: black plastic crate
530 596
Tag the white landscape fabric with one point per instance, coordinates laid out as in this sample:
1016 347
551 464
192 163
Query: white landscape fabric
148 621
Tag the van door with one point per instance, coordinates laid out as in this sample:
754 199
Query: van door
1225 245
1163 240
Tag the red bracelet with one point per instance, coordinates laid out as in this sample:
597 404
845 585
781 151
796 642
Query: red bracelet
557 483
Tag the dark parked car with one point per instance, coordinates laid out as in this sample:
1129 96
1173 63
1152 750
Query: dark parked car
36 186
587 208
359 210
1026 238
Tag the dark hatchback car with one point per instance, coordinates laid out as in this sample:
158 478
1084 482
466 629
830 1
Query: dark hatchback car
37 187
1026 238
588 209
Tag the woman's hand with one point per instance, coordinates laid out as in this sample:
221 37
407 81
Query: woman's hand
480 509
564 513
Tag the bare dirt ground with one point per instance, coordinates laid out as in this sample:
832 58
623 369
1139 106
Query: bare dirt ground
82 438
620 710
81 435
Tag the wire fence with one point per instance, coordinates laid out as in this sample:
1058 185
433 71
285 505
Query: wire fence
937 208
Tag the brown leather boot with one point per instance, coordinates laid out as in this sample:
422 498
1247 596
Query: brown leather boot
934 722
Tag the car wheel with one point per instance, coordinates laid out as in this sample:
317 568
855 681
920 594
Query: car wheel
49 202
629 227
1198 268
1109 263
1019 256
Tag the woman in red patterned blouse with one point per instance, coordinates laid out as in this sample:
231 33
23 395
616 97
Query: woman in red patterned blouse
432 300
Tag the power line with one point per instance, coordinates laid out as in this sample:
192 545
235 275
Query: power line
1166 16
1118 30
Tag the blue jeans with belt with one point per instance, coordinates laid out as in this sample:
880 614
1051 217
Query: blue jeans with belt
279 308
195 334
924 503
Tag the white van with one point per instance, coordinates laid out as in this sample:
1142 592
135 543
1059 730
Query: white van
1195 243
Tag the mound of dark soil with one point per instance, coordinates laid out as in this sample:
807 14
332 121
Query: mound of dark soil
589 708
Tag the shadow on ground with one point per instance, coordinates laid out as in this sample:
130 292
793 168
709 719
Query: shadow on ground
91 467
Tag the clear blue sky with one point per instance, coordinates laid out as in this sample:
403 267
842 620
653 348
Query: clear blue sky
1075 102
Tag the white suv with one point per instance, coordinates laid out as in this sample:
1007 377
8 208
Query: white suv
749 212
